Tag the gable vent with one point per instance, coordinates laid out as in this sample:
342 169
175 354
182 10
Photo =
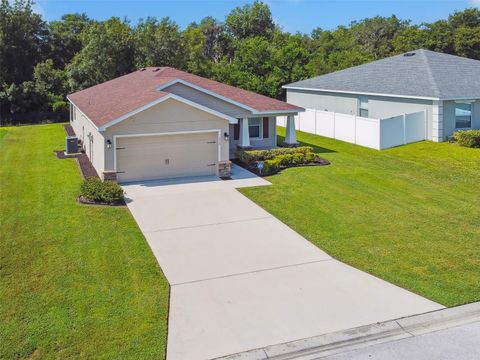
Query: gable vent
409 54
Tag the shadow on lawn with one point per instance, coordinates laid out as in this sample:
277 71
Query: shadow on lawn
316 149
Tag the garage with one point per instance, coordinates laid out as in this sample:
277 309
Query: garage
166 156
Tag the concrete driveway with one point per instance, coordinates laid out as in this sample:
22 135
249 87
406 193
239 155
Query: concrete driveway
241 279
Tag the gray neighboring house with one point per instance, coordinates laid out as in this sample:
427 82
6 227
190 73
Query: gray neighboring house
446 87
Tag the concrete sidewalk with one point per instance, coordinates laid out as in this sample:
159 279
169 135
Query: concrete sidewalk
241 279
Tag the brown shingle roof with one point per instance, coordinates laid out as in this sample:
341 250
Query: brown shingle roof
112 99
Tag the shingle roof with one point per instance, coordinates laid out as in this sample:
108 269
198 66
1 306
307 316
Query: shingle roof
426 74
112 99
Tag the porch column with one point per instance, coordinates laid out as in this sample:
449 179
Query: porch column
244 141
290 135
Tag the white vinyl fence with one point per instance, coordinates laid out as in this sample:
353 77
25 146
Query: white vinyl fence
372 133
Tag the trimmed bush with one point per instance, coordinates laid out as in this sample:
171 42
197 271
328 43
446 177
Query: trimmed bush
252 156
271 166
94 189
468 138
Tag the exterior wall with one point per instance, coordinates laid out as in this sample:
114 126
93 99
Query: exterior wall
168 116
379 107
207 100
341 103
449 117
95 150
269 142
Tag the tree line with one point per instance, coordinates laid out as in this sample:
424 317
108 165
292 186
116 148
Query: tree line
41 62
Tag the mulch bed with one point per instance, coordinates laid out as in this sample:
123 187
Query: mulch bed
318 162
69 130
86 167
85 201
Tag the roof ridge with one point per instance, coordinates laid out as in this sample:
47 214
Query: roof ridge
435 87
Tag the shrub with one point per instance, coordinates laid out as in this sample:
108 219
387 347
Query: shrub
251 156
271 166
468 138
94 189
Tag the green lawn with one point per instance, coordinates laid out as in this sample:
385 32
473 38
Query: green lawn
75 281
409 215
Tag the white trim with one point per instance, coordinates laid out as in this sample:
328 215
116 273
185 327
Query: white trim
230 119
279 112
362 93
218 96
81 112
260 128
218 131
211 93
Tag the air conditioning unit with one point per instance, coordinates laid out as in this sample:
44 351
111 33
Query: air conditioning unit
71 145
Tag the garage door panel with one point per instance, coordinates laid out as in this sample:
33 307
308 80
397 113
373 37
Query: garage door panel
167 156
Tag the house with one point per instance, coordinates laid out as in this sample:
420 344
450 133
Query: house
161 122
444 87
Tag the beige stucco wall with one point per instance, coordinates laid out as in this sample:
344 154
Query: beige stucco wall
168 116
207 100
82 127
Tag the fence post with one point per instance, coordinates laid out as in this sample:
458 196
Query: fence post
404 128
426 124
354 129
334 125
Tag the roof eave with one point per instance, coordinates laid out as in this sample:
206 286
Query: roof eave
361 93
230 119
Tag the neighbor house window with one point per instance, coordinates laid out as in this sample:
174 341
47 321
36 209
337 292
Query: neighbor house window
254 127
463 115
363 107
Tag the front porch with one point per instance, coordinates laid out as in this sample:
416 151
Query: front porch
259 133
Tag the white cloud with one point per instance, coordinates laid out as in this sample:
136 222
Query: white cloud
475 3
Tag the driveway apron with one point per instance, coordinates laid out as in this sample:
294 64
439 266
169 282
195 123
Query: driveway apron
241 279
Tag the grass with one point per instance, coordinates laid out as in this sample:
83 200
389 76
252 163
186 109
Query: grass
76 281
409 215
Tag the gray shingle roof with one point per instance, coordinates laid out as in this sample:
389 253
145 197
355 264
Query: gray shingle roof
427 74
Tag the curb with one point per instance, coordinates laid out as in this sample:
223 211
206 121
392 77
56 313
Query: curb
363 336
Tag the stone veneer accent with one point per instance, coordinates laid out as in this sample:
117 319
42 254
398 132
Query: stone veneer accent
224 169
110 176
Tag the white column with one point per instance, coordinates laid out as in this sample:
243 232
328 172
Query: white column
437 121
244 141
290 134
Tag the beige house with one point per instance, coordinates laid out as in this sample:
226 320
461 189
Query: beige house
158 123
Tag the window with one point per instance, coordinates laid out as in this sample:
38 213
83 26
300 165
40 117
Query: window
71 112
363 107
254 128
463 115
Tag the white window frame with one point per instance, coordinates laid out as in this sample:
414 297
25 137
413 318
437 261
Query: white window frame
469 102
364 100
260 126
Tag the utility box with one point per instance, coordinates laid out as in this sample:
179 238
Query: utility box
71 145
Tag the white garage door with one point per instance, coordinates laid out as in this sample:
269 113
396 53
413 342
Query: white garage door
166 156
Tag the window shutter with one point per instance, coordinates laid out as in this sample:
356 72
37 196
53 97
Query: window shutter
265 127
236 131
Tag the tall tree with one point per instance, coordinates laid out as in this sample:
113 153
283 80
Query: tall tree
158 44
376 34
23 36
107 53
250 21
65 39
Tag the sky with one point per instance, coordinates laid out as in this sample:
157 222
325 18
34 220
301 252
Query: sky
292 15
